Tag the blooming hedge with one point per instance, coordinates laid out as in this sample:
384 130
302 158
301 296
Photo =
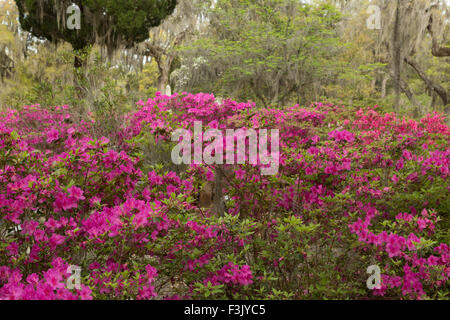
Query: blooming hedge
354 189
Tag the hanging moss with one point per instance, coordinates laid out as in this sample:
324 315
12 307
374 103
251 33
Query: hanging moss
111 24
414 19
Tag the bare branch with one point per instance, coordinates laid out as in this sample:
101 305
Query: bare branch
435 87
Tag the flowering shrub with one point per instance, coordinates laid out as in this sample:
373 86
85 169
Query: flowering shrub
354 189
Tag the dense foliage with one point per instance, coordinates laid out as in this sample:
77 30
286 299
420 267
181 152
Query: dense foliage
355 188
111 22
266 51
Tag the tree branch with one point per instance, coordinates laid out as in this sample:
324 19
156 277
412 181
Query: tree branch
405 88
435 87
436 50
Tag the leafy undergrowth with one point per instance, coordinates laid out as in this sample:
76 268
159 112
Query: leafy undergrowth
354 189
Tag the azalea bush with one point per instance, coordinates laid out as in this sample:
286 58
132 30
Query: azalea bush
355 188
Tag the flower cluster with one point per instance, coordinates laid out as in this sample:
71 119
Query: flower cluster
354 188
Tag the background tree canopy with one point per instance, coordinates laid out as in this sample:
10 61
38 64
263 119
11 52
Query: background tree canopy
266 50
111 23
269 51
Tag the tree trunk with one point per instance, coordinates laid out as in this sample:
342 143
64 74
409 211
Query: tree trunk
163 79
383 86
447 113
436 50
373 84
164 65
440 51
405 88
397 56
206 195
433 101
218 204
78 64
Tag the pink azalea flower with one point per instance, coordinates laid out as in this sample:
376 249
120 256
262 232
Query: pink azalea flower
86 293
52 135
422 223
209 175
240 174
76 193
54 278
